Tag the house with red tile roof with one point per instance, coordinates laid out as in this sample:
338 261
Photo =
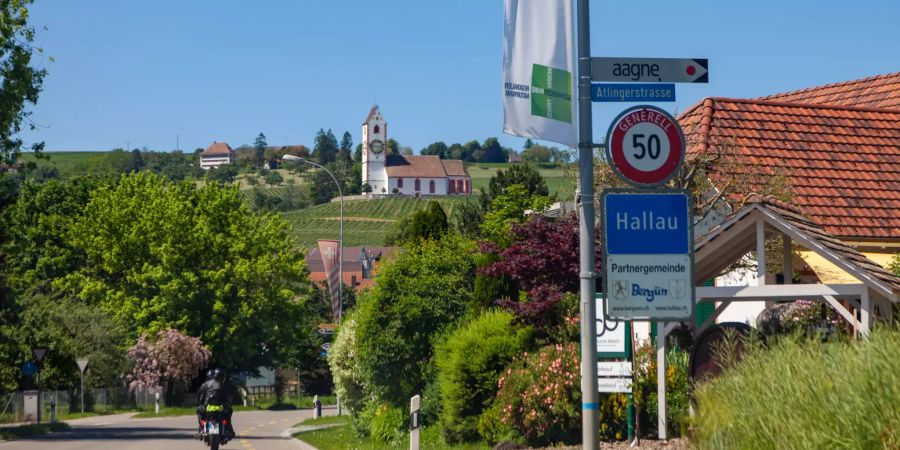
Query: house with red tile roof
359 265
837 147
217 154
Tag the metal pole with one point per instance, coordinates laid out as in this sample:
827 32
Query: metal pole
40 395
82 392
590 421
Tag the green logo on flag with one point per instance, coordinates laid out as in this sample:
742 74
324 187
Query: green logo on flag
551 93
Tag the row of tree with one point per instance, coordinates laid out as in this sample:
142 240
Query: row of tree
93 264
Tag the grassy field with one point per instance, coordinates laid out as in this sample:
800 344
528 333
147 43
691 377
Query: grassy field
342 437
558 182
366 222
67 163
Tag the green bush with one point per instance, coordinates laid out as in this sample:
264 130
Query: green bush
469 362
345 370
805 394
540 396
677 389
417 296
388 424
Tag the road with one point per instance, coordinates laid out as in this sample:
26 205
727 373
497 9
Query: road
257 430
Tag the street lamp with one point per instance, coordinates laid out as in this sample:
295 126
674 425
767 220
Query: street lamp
341 244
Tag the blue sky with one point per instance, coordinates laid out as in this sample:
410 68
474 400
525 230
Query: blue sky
142 72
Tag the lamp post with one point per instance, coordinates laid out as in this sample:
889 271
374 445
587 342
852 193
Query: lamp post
341 244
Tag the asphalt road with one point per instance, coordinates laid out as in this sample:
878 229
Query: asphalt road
257 430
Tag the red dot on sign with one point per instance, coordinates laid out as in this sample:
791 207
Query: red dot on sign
691 70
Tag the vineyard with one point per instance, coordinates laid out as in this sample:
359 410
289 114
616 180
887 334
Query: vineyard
559 182
366 222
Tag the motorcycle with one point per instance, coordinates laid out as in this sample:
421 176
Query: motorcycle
213 427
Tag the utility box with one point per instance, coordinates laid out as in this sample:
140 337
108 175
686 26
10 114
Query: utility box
31 405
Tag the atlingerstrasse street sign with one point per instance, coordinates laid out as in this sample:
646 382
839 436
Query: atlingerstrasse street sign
632 92
645 146
650 70
648 255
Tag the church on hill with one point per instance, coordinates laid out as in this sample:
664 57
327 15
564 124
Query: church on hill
407 175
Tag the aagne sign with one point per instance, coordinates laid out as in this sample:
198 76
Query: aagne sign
648 255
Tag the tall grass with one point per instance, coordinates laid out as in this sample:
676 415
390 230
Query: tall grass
804 394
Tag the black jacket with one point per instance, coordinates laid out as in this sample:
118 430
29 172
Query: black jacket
214 392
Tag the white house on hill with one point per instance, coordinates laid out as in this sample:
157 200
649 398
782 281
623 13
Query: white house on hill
217 154
403 174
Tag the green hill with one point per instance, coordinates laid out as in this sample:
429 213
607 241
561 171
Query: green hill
67 163
366 222
558 181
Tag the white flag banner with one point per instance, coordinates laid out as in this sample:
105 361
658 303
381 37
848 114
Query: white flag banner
539 70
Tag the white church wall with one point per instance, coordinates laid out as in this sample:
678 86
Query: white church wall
409 186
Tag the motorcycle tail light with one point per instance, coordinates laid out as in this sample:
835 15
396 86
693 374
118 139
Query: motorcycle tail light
224 421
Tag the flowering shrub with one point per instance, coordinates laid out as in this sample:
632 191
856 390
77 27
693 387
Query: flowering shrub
539 397
172 357
677 388
801 316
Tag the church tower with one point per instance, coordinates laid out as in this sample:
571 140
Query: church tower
374 145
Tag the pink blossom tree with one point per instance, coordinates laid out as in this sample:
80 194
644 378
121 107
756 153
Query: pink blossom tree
171 359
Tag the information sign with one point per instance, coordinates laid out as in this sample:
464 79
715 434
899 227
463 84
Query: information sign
645 146
618 385
648 255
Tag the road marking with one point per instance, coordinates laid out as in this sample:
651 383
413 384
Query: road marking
272 423
243 441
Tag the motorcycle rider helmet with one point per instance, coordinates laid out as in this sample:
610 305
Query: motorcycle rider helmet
209 374
219 374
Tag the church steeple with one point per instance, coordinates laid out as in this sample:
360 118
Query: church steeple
374 144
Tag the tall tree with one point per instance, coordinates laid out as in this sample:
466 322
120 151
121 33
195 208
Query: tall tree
20 80
528 144
325 147
236 291
473 151
346 147
493 152
259 148
438 149
393 147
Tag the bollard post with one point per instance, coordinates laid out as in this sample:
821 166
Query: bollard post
53 411
414 406
157 403
317 407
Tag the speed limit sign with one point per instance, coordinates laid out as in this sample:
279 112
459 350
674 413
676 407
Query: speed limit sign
645 146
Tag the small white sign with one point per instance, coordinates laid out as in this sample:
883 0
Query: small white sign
649 286
614 369
82 364
614 385
611 336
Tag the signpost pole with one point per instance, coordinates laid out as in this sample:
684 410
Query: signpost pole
82 364
630 396
590 421
661 378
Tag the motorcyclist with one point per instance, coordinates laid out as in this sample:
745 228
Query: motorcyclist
216 391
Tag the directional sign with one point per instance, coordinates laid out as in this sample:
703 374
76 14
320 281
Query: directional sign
614 385
650 70
326 346
614 368
29 368
628 92
648 255
645 146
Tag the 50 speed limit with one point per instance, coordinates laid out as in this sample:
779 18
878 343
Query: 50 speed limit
645 146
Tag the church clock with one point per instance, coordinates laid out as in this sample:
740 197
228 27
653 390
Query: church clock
377 147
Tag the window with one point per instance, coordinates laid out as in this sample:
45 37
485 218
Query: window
400 182
459 186
431 186
418 185
377 130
